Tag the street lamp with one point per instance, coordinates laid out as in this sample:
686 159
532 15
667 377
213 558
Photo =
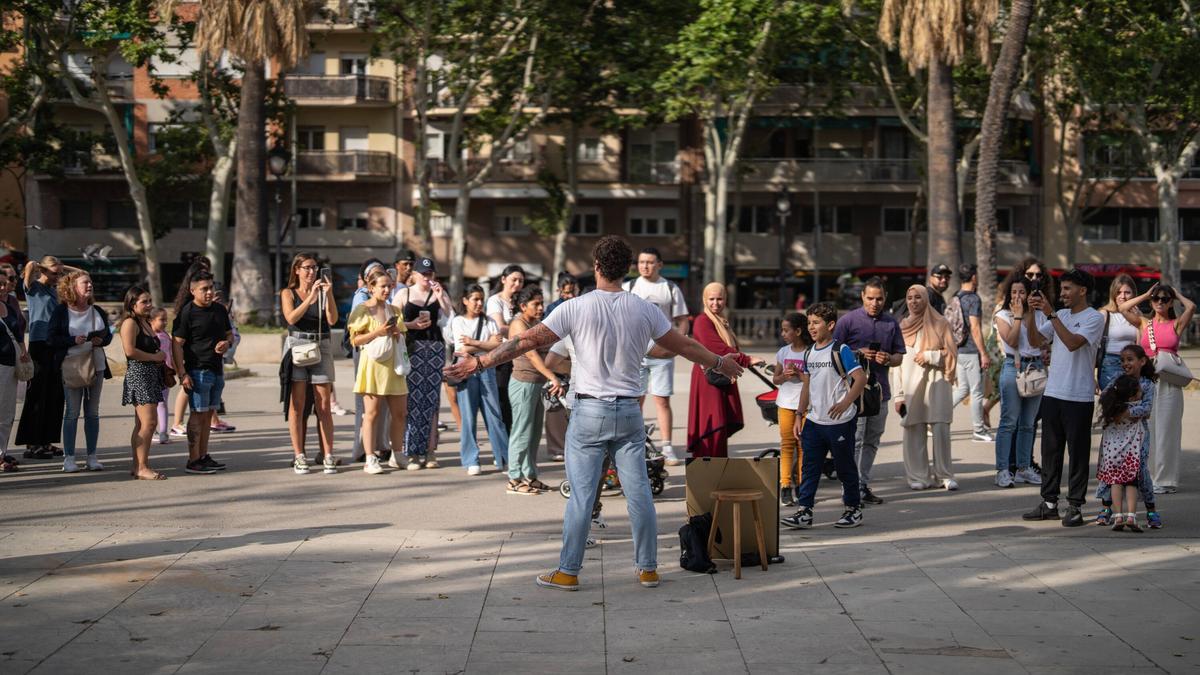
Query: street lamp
783 207
277 163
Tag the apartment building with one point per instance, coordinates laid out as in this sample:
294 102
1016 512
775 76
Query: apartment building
853 176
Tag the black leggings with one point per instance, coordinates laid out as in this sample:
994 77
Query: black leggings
42 417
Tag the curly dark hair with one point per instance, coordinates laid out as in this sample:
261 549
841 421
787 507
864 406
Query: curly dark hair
825 311
1147 370
613 257
526 295
1115 400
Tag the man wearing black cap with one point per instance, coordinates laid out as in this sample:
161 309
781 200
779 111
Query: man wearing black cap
404 267
939 281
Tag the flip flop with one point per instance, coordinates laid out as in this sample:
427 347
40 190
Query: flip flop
157 476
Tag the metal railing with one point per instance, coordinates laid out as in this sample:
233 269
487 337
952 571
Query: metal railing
335 162
865 170
653 172
523 170
359 87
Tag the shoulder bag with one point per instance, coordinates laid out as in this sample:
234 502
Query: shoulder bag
79 370
1031 380
1103 342
1169 365
23 370
307 354
453 381
383 348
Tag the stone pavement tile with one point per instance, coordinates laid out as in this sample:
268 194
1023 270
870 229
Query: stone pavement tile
542 619
137 545
1094 670
630 634
1146 554
804 647
490 663
900 589
396 602
47 548
794 668
410 631
932 610
317 613
306 579
541 645
185 590
17 666
17 645
1044 548
722 659
789 621
334 545
387 660
951 665
1034 623
780 592
13 579
263 652
885 635
72 662
958 554
1072 651
1007 598
524 592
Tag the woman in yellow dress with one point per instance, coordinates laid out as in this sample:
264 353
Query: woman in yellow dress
377 381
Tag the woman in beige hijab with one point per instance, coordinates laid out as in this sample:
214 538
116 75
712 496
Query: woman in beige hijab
714 412
922 391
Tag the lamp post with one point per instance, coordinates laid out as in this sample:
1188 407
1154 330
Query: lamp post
277 163
783 207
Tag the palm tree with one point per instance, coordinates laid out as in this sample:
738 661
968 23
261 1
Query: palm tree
254 32
932 36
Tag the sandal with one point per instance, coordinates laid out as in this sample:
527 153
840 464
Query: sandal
156 476
539 485
516 487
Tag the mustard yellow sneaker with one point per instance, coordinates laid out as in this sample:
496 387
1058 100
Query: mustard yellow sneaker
560 580
649 579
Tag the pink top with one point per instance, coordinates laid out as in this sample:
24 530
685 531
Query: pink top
164 343
1164 337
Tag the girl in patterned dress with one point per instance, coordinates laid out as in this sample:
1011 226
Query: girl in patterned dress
1121 446
1136 364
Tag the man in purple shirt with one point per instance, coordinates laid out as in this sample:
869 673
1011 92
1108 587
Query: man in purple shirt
875 335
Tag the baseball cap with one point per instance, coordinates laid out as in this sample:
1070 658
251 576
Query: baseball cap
424 266
939 270
405 255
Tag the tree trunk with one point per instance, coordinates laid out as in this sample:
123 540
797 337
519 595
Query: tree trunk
720 231
1004 78
943 200
218 210
1167 188
252 283
711 170
571 155
458 239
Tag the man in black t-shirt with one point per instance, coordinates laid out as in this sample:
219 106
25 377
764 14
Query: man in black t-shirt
202 333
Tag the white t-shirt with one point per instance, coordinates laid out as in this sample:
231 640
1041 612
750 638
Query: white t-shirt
789 391
498 305
1026 350
663 294
461 326
1073 373
1121 333
82 323
610 331
826 386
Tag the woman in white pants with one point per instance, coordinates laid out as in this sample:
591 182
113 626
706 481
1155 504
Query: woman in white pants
922 391
1160 332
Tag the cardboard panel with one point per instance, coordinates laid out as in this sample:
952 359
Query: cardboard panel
723 473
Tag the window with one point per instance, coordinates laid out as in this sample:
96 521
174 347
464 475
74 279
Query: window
353 64
652 155
310 217
1104 225
1189 224
440 224
1141 225
310 138
519 152
509 221
591 151
353 216
653 222
1003 220
754 219
79 65
183 215
834 219
1134 226
76 213
183 62
121 215
155 137
586 222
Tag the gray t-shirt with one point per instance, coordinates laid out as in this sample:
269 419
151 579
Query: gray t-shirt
971 307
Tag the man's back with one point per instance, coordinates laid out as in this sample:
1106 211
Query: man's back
610 331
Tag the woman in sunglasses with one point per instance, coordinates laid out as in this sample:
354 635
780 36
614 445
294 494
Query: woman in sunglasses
1160 333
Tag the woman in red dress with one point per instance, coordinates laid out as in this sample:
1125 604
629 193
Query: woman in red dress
714 413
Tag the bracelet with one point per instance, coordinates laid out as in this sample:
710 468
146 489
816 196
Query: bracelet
720 360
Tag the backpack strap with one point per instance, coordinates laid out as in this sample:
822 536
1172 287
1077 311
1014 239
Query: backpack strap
628 285
835 355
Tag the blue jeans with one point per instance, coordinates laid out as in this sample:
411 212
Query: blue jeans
819 440
479 394
207 386
601 429
87 399
1110 369
1018 419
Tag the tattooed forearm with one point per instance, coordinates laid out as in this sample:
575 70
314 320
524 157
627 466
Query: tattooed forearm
533 338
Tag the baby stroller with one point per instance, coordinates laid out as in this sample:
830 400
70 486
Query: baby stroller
770 413
656 471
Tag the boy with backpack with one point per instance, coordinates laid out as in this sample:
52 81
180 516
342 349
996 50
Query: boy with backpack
964 313
833 381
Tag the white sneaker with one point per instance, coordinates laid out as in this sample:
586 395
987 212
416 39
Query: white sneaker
431 463
69 465
373 466
590 543
473 470
413 464
393 462
329 464
1027 475
599 523
950 484
672 459
917 486
94 464
1004 479
982 437
338 410
300 464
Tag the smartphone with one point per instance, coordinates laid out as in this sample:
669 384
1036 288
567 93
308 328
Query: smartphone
391 321
903 409
326 274
423 315
1035 287
873 346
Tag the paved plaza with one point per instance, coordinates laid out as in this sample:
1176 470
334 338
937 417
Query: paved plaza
258 570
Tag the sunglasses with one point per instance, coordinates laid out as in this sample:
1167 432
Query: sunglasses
1034 275
1161 298
943 275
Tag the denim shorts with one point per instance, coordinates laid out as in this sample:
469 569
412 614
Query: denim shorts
207 386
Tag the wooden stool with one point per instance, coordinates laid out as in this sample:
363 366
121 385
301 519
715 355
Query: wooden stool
736 498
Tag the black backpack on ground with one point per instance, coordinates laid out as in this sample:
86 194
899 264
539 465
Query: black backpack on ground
693 544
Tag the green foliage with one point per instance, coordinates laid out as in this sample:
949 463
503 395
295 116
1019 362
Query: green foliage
549 216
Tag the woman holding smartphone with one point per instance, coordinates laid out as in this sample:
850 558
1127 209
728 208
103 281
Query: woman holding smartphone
309 311
382 388
426 309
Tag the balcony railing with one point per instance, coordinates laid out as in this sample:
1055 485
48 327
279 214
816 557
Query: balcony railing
831 170
345 12
338 87
364 163
505 171
661 173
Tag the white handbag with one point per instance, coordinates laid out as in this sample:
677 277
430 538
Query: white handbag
1169 365
1031 380
383 348
307 354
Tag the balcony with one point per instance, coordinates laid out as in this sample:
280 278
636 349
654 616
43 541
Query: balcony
338 89
343 14
343 164
659 173
505 171
860 171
